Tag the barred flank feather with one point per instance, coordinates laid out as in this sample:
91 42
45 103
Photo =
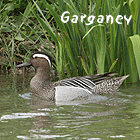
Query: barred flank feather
109 86
99 84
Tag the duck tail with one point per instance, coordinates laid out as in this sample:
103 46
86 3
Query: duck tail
123 78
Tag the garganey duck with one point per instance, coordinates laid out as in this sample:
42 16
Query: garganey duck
41 85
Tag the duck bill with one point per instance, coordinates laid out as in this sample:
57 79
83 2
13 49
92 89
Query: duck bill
26 64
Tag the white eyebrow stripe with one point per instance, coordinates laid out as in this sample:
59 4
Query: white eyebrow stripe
43 56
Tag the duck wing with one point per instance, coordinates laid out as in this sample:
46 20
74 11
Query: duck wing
87 83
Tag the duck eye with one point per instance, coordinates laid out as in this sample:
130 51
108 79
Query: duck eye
35 56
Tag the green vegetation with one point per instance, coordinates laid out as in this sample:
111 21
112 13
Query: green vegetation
78 49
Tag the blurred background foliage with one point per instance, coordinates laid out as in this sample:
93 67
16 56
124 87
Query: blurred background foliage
78 49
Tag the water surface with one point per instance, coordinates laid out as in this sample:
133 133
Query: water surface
24 116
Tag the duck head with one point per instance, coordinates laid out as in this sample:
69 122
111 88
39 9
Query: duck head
37 60
40 61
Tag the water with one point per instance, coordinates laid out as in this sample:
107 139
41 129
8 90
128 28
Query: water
105 117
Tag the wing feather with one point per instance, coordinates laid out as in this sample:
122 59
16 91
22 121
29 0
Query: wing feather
87 83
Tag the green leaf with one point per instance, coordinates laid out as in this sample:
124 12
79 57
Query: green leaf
19 38
113 64
5 29
136 48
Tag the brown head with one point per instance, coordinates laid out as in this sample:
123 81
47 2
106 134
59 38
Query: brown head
41 62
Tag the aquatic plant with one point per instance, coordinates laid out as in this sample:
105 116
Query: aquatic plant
79 49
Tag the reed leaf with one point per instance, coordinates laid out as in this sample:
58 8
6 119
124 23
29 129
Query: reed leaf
135 44
78 48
